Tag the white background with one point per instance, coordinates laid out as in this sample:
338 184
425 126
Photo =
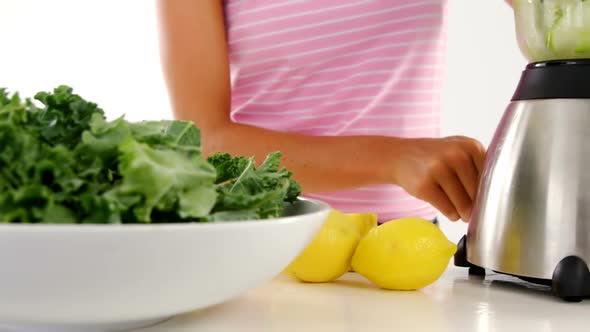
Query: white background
108 51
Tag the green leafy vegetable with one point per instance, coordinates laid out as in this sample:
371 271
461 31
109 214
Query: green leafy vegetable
167 180
243 187
63 162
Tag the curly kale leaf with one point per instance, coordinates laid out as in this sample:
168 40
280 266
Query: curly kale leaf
249 192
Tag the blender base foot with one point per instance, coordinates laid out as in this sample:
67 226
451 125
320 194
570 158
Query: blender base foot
477 271
571 279
461 259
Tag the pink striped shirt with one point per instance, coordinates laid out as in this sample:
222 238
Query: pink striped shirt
341 67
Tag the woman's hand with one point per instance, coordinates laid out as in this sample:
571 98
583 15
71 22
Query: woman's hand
444 172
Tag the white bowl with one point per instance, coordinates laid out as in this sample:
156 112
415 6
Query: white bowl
118 277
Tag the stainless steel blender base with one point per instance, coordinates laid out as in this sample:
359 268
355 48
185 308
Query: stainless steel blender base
531 215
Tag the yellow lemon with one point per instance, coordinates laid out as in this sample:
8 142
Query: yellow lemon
364 221
328 256
404 254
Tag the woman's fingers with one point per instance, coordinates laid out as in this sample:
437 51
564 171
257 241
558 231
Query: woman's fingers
443 172
474 149
464 168
440 200
456 193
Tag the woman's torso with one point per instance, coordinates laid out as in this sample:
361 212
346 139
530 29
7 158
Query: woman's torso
341 68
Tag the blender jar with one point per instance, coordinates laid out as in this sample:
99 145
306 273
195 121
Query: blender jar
553 29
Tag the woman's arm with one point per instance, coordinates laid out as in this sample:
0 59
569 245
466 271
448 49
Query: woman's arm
196 69
195 62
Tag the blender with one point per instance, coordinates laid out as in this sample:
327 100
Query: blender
531 216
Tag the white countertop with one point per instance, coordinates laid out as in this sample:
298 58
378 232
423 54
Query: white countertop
456 302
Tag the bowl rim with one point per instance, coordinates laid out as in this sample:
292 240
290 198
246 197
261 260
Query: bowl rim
322 208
